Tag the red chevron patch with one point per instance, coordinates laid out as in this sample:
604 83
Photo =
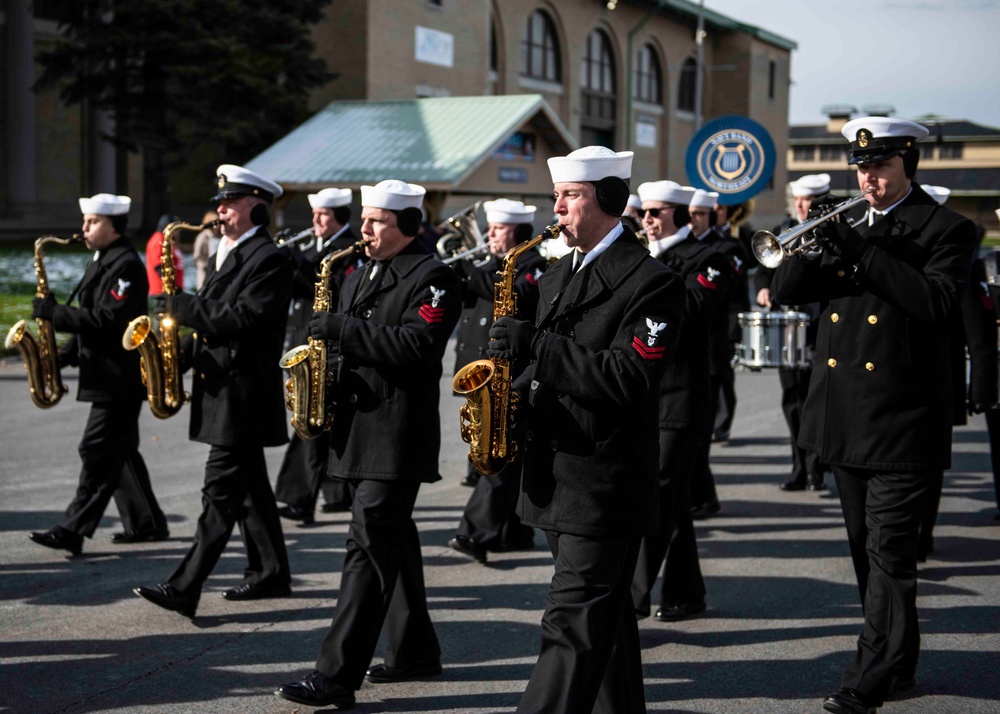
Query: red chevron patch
987 301
647 352
431 315
706 283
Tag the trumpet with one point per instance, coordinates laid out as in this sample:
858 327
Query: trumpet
283 240
772 251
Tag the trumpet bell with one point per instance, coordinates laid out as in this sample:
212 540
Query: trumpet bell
767 249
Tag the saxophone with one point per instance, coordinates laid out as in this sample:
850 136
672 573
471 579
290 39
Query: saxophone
159 358
486 416
305 390
41 356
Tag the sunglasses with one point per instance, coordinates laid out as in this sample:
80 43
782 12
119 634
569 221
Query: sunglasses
654 212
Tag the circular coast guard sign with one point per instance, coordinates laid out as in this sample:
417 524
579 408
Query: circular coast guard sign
732 155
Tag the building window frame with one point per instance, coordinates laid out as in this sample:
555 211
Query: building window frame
540 58
647 80
686 85
598 93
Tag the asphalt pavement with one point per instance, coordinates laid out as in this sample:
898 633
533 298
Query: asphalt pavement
783 612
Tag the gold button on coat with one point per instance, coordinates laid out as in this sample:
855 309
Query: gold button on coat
834 317
841 273
869 366
832 362
872 319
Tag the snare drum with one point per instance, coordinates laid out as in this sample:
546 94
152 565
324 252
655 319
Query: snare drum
773 339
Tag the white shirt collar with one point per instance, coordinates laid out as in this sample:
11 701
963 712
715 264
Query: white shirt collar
873 212
321 244
599 248
662 245
226 247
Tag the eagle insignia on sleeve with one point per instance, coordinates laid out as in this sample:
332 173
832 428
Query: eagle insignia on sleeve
707 279
648 350
119 292
432 313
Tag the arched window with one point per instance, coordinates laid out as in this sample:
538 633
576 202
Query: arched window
597 82
685 88
540 49
648 78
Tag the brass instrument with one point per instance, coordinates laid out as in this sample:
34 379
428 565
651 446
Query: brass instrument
160 358
461 233
466 254
41 357
283 241
305 390
643 238
772 251
486 416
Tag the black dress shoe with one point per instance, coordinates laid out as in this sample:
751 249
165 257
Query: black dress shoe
169 598
674 613
470 480
384 673
335 507
720 436
257 591
58 538
847 701
317 691
467 546
705 511
793 485
815 482
144 536
296 513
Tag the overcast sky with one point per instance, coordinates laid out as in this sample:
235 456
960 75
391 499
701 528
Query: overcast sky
919 56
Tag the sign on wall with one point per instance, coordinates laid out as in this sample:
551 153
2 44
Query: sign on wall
435 47
732 155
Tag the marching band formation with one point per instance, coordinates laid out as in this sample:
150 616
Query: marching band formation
591 379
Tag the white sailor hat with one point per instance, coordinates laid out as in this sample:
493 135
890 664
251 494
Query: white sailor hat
105 204
666 191
236 182
504 210
811 185
591 163
392 195
634 201
703 199
938 193
875 139
330 198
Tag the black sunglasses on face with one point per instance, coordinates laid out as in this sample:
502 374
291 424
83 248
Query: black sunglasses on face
654 212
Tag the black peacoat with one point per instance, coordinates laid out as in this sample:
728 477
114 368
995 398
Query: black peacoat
592 442
880 396
238 316
112 293
388 365
684 389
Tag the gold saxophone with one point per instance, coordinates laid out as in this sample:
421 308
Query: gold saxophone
160 358
305 390
487 414
41 356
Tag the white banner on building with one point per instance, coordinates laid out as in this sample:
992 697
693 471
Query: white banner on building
434 47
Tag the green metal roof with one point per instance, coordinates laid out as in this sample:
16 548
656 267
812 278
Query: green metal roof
435 142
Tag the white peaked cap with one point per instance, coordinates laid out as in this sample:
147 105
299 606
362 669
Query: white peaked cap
634 201
666 191
811 185
884 128
105 204
235 181
938 193
504 210
703 199
330 198
393 195
591 163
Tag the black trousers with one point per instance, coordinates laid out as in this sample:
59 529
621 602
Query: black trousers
236 491
674 545
993 429
725 381
382 585
590 658
303 473
882 513
489 517
113 468
794 387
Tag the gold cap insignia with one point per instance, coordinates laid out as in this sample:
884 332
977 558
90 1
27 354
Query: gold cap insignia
222 180
863 136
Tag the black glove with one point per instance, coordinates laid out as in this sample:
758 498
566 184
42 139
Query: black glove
43 307
822 204
325 325
842 240
66 359
158 303
513 339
